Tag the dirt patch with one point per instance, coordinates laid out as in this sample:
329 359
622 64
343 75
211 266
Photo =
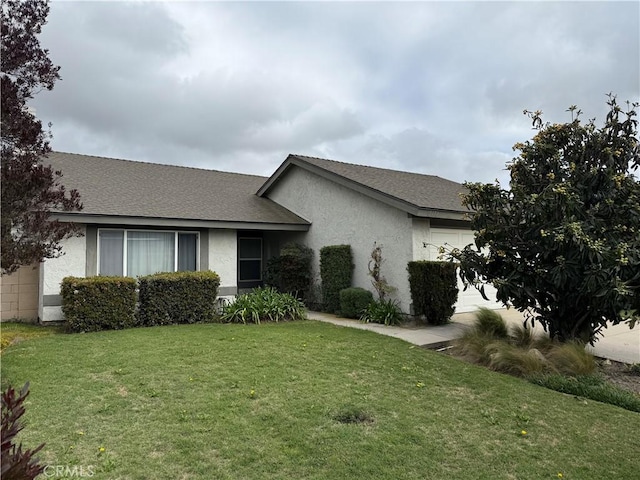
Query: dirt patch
621 375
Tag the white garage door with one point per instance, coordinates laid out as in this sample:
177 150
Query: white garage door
471 299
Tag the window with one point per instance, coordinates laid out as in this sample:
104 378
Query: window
138 252
249 259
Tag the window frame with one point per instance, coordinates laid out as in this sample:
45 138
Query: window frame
148 230
251 259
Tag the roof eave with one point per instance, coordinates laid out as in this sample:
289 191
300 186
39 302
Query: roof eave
444 214
177 222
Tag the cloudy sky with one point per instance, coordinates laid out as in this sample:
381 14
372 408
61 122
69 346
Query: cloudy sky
430 87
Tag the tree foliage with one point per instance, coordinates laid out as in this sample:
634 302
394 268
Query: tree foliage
563 243
30 190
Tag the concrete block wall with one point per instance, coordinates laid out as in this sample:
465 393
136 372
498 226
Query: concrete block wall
19 294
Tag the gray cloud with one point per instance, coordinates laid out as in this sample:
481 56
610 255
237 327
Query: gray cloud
432 87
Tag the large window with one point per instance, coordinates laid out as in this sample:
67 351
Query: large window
139 252
249 259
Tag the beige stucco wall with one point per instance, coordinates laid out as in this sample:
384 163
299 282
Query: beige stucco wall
340 215
19 294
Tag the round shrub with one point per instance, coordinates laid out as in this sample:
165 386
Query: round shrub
290 272
353 301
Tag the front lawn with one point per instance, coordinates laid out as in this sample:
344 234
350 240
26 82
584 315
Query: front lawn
14 332
268 401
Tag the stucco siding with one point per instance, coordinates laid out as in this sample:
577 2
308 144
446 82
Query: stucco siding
421 235
223 256
339 215
72 263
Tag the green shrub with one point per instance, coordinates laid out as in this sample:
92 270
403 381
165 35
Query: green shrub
336 270
98 303
178 297
353 301
264 304
383 311
434 290
593 387
290 272
313 297
490 323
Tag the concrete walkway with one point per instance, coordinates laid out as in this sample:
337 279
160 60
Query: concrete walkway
619 342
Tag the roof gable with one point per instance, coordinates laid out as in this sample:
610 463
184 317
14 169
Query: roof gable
124 188
418 194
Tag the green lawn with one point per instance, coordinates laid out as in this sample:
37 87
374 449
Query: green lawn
232 401
14 332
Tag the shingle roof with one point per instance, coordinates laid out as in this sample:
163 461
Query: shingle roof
416 191
114 187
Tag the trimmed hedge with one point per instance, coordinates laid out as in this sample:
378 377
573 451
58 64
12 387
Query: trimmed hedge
336 270
178 297
434 290
98 303
353 301
290 272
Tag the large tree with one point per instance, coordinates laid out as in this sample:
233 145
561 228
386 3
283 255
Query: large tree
563 243
30 189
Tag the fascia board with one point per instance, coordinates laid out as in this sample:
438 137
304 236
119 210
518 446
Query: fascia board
176 222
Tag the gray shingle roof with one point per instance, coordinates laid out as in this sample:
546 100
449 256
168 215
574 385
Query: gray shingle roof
416 191
114 187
